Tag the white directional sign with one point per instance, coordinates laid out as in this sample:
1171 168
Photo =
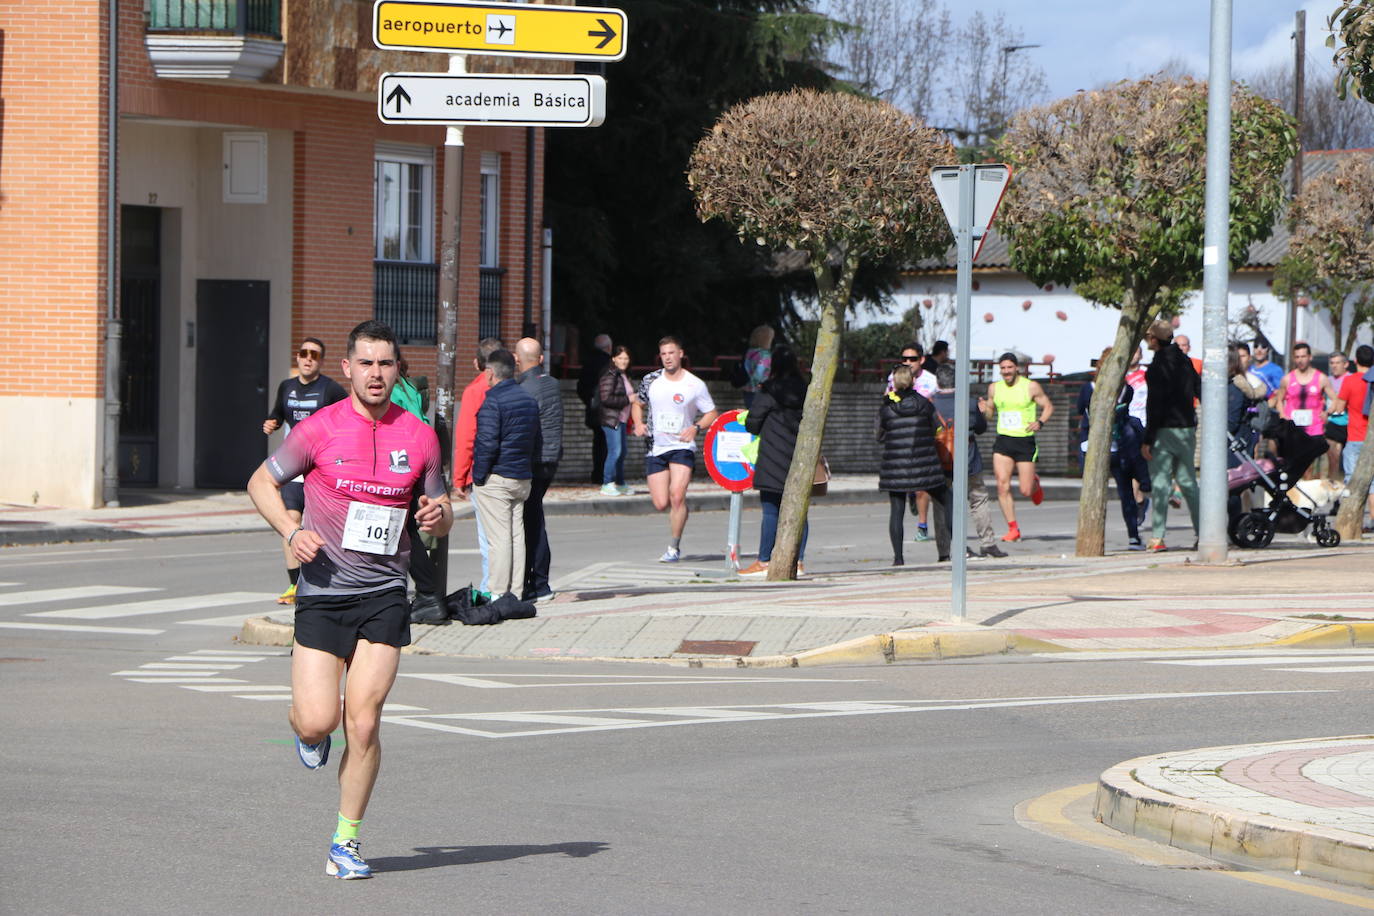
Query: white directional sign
525 101
989 184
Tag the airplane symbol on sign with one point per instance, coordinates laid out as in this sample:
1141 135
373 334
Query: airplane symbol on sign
501 28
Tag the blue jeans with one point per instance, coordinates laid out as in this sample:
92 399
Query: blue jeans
768 531
614 470
1350 457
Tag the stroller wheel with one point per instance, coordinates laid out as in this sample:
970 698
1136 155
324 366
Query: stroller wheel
1328 537
1253 530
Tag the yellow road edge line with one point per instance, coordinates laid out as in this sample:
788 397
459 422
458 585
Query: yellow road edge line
1335 896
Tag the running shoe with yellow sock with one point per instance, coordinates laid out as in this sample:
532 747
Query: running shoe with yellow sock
345 852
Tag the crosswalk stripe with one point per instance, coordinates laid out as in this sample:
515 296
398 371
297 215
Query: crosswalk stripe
262 652
46 595
190 666
1334 669
231 688
178 680
215 658
142 672
77 628
155 606
265 696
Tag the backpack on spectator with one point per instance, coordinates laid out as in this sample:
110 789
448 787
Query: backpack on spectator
944 443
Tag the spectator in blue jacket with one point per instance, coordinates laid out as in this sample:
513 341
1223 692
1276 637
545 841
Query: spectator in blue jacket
507 441
529 362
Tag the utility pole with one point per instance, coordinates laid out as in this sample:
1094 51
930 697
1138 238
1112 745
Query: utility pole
1216 277
450 249
1299 72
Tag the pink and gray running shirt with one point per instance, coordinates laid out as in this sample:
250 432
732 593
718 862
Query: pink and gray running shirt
352 466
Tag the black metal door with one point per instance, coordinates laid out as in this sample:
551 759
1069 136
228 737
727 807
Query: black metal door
140 295
232 318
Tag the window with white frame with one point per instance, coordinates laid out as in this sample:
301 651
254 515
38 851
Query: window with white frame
490 254
404 194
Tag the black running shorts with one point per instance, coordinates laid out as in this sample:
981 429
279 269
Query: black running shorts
293 494
335 623
1017 448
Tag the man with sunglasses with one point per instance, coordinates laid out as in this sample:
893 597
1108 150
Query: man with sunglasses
297 398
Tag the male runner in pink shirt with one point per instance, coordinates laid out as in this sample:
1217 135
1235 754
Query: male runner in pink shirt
362 458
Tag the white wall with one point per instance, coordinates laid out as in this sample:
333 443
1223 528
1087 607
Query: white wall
1086 329
51 452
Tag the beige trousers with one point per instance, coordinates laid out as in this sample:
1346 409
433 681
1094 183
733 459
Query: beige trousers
501 504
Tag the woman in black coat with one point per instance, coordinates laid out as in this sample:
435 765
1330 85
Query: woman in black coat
614 391
906 429
775 418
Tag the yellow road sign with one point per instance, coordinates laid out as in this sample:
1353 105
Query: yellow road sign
506 29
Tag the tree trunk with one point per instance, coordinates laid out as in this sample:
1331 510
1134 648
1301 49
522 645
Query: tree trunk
833 293
1350 519
1092 502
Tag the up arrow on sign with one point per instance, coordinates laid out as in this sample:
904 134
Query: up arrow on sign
989 184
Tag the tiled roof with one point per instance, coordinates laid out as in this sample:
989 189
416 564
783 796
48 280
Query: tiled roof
995 253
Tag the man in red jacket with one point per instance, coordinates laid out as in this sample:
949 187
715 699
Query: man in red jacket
465 433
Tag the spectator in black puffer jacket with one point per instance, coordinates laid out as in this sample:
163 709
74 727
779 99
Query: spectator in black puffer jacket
775 418
906 429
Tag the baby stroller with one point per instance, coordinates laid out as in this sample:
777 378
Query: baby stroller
1275 476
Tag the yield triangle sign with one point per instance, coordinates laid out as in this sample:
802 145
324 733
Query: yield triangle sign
990 182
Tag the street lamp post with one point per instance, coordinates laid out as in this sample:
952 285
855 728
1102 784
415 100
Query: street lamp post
1002 114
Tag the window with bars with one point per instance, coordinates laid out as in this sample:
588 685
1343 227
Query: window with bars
405 284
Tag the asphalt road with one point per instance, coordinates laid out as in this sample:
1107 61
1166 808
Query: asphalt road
143 773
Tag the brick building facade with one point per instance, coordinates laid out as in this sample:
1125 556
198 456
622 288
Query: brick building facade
258 199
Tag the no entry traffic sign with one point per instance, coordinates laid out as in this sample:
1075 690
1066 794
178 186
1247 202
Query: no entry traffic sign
724 459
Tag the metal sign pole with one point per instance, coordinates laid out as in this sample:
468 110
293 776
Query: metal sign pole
963 357
732 535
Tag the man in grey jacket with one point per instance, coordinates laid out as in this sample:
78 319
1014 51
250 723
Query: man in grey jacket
529 363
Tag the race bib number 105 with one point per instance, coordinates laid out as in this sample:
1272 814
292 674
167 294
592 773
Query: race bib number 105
373 529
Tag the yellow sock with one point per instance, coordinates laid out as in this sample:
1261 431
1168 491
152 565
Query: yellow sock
347 829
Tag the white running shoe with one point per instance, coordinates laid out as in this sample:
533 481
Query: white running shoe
671 555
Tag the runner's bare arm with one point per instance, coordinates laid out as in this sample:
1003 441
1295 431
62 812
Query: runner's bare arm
265 492
435 516
1043 401
637 417
989 405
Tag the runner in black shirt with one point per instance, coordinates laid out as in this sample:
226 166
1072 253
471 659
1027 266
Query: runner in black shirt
297 398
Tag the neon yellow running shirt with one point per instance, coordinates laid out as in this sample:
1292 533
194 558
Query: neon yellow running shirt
1015 408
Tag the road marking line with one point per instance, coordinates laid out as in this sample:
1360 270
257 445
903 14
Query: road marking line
189 666
230 688
181 680
78 628
139 672
70 557
615 680
1335 896
157 606
215 658
267 652
269 696
1333 669
760 712
45 595
1295 660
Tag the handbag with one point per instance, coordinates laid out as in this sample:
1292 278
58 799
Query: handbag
944 443
820 481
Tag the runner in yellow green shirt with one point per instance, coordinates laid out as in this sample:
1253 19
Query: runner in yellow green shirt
1014 400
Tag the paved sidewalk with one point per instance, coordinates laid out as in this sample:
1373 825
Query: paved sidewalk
1305 806
161 513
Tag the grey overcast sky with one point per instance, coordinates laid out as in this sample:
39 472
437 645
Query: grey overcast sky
1086 44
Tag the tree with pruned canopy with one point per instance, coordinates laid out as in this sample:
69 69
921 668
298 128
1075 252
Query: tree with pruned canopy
1109 196
845 180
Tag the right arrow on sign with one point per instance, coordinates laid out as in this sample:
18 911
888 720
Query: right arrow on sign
606 34
398 95
990 183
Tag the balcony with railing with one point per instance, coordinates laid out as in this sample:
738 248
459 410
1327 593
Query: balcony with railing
489 302
214 39
405 295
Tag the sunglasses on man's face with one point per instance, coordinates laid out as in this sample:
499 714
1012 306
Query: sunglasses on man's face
911 359
309 354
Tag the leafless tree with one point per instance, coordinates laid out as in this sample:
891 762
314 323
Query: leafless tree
892 49
1329 122
967 78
